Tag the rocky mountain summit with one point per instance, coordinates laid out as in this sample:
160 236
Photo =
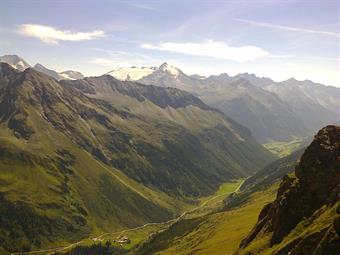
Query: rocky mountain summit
15 61
21 65
304 218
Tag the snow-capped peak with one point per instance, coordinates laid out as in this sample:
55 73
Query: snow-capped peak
164 66
170 69
15 61
135 73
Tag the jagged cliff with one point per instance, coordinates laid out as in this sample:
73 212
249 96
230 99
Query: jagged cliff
305 217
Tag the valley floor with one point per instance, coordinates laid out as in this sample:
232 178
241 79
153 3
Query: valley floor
282 149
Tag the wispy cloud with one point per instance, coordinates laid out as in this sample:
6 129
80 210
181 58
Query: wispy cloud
53 35
288 28
211 49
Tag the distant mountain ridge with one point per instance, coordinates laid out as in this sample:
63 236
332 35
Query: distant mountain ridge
276 111
49 72
20 64
273 111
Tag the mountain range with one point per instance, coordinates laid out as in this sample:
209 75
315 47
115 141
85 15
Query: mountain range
20 64
88 156
273 111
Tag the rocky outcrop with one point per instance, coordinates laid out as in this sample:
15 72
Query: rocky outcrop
304 218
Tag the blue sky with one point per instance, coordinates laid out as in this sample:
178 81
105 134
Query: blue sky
278 39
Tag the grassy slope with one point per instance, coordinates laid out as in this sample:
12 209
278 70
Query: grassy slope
217 233
223 191
103 200
222 232
139 235
60 152
322 220
218 149
52 198
273 172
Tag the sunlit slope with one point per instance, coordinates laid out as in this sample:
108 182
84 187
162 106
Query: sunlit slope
53 192
222 232
217 233
74 163
174 142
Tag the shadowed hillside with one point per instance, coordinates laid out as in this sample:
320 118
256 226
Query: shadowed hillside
83 157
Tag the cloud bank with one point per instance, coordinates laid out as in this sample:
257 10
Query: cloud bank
53 35
211 48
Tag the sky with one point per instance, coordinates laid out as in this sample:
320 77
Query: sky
279 39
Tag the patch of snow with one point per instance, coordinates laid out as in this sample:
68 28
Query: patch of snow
131 73
20 64
71 75
135 73
66 76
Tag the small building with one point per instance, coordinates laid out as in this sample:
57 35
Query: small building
123 240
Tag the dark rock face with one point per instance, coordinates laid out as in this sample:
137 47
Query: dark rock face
315 186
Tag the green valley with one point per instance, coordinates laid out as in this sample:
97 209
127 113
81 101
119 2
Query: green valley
217 233
81 158
221 228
